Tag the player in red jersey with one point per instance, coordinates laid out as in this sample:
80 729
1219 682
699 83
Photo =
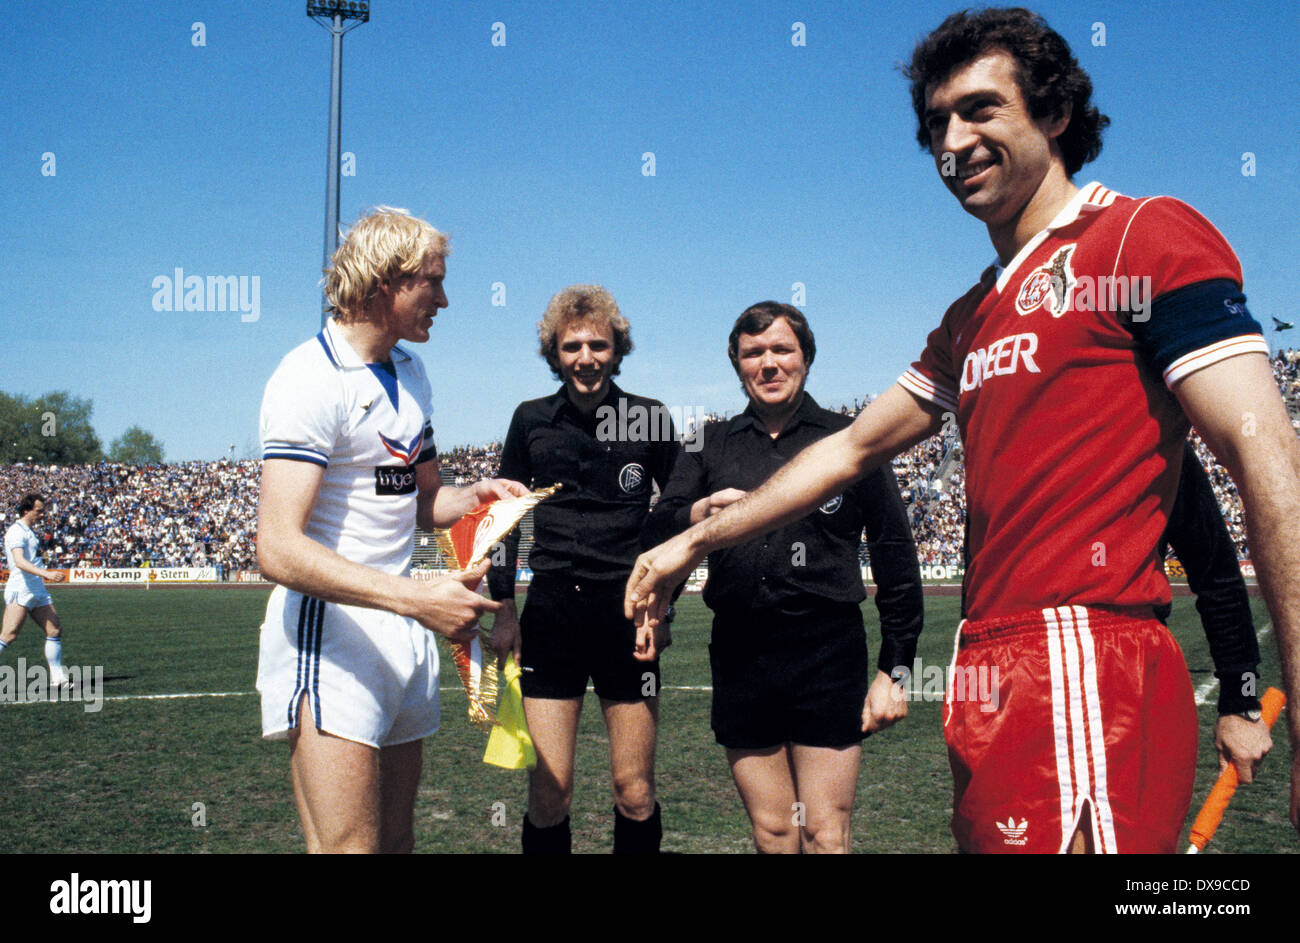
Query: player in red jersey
1072 370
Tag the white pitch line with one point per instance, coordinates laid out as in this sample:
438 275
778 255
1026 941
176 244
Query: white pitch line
135 697
662 687
172 697
193 694
1204 691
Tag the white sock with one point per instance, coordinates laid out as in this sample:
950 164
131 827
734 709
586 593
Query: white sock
54 655
3 646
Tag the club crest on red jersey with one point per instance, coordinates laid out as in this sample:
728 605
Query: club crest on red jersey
1049 286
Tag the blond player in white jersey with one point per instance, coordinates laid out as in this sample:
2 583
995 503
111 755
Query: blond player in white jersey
25 592
348 671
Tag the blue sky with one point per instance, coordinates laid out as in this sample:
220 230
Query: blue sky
774 164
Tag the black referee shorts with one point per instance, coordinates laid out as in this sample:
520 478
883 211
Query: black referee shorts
574 630
789 679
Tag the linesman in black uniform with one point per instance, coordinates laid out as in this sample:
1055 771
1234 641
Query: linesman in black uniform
605 447
793 689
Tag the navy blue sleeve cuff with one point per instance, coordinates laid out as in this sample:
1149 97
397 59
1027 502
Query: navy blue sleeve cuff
1191 319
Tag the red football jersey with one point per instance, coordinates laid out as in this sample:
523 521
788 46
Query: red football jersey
1072 439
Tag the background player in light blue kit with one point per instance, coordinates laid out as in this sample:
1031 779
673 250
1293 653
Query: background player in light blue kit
25 592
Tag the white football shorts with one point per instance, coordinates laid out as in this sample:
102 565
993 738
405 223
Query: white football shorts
368 675
23 595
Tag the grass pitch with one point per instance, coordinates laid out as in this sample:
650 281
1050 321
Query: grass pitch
192 775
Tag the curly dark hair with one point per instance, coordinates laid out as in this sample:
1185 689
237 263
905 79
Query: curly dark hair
759 317
28 501
577 304
1048 74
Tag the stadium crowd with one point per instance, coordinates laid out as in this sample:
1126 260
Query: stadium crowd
467 463
115 515
205 513
1286 370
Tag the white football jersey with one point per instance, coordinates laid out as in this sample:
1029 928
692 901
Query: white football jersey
21 537
368 430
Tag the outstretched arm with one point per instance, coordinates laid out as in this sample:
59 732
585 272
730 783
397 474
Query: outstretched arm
289 557
442 505
891 424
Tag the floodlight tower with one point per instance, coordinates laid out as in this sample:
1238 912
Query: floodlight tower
334 16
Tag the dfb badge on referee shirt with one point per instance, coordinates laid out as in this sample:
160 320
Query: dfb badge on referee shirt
631 478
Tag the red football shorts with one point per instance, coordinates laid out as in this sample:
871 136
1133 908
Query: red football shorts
1067 717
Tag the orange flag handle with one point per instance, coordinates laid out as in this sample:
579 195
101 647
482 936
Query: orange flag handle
1211 814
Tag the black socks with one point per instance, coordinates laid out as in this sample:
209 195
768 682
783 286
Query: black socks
637 838
630 836
552 840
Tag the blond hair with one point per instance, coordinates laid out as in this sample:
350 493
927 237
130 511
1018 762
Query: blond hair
590 304
382 245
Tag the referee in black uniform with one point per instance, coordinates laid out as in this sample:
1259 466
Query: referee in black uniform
793 690
605 447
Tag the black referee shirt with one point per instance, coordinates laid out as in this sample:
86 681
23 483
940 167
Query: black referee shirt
812 560
590 529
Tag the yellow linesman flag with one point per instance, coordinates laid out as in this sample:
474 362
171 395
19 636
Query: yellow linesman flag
509 745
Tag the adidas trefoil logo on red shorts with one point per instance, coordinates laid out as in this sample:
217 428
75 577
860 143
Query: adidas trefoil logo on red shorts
1014 833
